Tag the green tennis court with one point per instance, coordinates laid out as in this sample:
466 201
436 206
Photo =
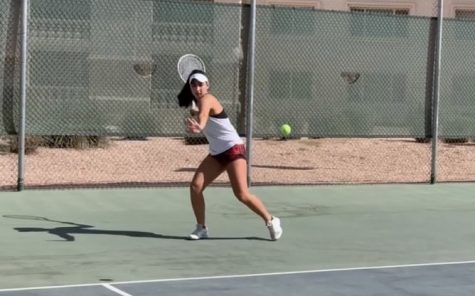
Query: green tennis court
358 239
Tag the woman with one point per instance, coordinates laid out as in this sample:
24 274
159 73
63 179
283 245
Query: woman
226 153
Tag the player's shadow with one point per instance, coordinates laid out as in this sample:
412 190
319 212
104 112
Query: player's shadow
67 233
281 167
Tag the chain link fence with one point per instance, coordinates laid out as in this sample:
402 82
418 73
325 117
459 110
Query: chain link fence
346 75
9 85
457 97
355 87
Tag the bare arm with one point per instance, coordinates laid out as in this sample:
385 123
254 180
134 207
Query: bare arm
205 105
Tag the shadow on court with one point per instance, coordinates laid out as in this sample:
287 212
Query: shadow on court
67 232
136 239
281 167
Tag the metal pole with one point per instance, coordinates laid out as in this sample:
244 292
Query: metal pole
435 101
250 88
23 77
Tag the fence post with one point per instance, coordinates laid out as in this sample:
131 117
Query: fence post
250 88
435 103
23 79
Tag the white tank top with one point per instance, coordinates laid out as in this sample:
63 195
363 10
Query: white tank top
221 134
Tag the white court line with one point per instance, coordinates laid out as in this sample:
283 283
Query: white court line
245 275
114 289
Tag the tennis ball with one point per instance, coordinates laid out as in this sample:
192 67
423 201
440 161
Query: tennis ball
285 129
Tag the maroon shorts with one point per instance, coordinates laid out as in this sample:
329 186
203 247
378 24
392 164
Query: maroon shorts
230 155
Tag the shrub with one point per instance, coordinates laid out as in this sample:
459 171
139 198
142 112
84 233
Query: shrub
31 144
76 142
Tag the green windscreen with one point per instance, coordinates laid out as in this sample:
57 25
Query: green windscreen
341 74
9 65
457 76
109 67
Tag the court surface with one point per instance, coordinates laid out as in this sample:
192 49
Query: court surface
338 240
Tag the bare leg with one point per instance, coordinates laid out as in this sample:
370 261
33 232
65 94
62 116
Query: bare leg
237 171
208 170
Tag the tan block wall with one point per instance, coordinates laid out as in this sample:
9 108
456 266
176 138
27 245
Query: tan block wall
416 7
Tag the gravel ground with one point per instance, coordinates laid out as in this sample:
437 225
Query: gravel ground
165 161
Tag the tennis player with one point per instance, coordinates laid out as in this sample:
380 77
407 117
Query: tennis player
226 153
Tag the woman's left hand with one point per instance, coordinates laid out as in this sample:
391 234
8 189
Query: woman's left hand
193 126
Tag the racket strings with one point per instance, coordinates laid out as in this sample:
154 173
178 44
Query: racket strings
187 64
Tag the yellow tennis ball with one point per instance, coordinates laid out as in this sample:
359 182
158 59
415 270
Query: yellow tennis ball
285 129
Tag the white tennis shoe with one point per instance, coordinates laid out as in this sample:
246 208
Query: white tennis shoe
275 229
199 233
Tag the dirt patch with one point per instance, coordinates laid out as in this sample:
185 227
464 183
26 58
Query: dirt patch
168 161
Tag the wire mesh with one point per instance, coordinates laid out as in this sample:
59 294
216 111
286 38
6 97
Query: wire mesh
457 97
103 73
355 87
9 86
344 75
341 74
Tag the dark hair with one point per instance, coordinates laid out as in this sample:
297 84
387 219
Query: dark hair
185 96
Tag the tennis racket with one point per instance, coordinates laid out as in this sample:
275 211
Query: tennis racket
38 218
28 217
187 63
